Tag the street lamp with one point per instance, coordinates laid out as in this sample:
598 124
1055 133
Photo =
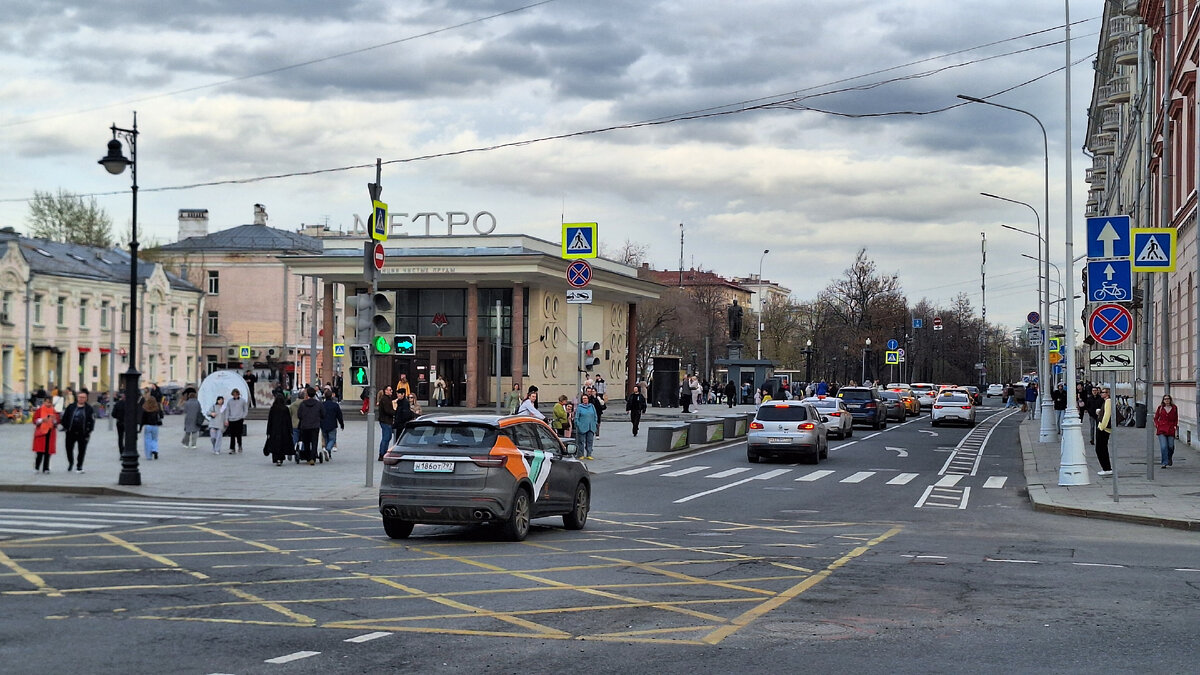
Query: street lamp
862 380
808 350
760 297
115 162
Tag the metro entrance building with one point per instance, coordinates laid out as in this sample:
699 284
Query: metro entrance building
447 291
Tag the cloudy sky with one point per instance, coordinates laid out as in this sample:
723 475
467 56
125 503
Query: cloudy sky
755 123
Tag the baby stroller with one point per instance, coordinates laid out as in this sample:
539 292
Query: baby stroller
321 456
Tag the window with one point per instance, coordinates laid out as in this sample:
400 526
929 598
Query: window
105 308
6 304
190 316
152 320
171 368
37 310
214 282
190 363
303 320
83 312
124 316
61 311
213 324
174 318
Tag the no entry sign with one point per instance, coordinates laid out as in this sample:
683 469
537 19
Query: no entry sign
378 256
1110 324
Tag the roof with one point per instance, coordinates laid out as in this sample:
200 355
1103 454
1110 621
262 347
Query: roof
248 238
62 259
691 277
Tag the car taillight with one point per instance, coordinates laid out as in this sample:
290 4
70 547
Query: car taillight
391 458
835 413
870 405
937 407
756 425
807 426
966 407
488 460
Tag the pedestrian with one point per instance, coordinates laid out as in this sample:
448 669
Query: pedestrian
251 379
635 404
601 385
118 413
156 393
528 407
1010 393
1081 397
150 419
57 400
402 415
512 400
1059 397
1103 431
385 414
558 420
402 387
416 408
193 419
439 392
765 396
685 396
78 420
331 421
365 396
600 404
1031 394
236 410
1095 402
1166 425
279 443
45 436
704 389
216 422
694 386
309 414
585 426
569 429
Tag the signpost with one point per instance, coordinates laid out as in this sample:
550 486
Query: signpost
1154 249
579 241
937 323
579 296
1110 280
1110 324
1108 237
378 256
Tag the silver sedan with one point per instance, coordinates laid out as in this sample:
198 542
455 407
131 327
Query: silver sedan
837 419
787 429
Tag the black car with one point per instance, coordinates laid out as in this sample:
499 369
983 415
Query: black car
894 408
976 396
865 406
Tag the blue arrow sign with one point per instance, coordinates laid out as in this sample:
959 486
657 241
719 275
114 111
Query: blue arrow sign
893 344
1108 237
1110 281
918 323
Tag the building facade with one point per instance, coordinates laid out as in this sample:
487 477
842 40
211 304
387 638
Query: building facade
64 319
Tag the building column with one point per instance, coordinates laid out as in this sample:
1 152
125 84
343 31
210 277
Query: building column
327 332
518 334
473 374
631 341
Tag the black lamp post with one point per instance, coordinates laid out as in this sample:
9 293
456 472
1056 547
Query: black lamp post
115 162
808 352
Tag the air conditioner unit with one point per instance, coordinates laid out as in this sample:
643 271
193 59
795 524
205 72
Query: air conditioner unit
254 353
232 351
272 352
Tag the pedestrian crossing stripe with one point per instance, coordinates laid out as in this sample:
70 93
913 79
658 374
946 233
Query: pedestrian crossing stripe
1154 249
579 240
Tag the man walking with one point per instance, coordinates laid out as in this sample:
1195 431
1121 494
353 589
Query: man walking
1060 404
78 421
636 405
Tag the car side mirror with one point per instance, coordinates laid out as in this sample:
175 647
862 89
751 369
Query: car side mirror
824 418
572 446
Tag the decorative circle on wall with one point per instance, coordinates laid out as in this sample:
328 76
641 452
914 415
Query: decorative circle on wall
548 306
554 368
546 369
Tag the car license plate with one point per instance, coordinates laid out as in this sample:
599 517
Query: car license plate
433 467
775 440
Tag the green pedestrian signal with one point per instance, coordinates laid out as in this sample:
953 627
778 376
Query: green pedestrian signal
383 345
359 377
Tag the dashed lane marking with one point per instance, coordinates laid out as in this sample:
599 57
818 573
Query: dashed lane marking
294 656
903 479
684 472
858 477
815 475
368 637
728 472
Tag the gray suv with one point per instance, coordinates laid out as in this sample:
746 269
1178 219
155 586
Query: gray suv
482 469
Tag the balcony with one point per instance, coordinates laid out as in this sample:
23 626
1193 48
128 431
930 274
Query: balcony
1128 7
1091 211
1096 178
1119 27
1104 144
1100 167
1102 94
1118 89
1125 51
1110 119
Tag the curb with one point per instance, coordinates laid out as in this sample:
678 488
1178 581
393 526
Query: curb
1047 506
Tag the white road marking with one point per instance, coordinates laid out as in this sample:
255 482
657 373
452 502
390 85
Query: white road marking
948 481
1098 565
33 515
1186 569
728 472
816 475
867 438
15 530
858 477
843 445
643 469
762 476
70 526
901 452
928 431
294 656
684 472
221 507
1008 560
903 479
995 481
101 513
367 638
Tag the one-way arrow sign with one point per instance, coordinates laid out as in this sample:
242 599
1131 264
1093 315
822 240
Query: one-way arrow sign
1108 237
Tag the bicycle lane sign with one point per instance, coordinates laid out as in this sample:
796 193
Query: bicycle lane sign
1110 280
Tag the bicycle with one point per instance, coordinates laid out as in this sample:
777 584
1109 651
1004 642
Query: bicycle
1109 290
1124 412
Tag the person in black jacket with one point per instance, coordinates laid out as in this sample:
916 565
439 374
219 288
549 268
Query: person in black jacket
78 420
600 404
332 421
309 417
635 403
279 431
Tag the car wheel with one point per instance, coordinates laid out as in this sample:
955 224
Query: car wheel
396 528
577 518
934 423
825 452
516 528
752 457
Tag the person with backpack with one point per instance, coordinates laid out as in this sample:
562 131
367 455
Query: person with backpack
309 415
78 420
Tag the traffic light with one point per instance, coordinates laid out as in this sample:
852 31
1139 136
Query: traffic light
591 355
383 307
359 367
363 305
359 376
405 345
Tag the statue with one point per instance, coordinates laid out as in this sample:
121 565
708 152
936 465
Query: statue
735 322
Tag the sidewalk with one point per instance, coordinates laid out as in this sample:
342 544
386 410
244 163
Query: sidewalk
1172 499
199 474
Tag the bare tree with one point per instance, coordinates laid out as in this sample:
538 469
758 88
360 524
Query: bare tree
68 218
629 253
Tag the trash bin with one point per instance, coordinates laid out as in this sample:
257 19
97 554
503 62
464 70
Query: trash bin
1139 415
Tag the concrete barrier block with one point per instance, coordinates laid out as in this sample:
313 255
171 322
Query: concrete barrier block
706 430
667 437
736 426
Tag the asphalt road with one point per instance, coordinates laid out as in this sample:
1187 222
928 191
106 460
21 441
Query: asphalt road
915 553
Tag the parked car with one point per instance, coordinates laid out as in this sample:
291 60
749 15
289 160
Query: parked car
995 390
893 405
787 429
926 393
864 405
839 422
953 405
976 397
482 469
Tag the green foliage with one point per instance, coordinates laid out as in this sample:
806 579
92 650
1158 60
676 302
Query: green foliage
69 218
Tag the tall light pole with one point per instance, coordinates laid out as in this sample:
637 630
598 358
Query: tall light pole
115 162
862 380
1046 433
808 350
760 297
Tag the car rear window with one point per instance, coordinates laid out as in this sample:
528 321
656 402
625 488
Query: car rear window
953 398
855 395
782 413
824 403
431 435
889 395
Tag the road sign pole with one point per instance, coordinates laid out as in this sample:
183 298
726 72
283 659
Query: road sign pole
371 450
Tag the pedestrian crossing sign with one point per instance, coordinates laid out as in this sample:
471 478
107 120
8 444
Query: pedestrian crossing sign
891 357
578 240
339 349
244 352
1154 249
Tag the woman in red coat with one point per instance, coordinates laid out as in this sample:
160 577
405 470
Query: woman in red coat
1166 425
45 435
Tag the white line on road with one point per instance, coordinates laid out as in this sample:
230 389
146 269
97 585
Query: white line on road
16 530
843 445
224 506
70 526
928 431
858 477
901 452
867 438
948 480
762 476
684 472
101 513
294 656
643 469
1097 565
1007 560
816 475
995 481
903 479
728 472
367 638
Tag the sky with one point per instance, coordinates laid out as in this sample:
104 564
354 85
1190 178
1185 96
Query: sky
807 127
